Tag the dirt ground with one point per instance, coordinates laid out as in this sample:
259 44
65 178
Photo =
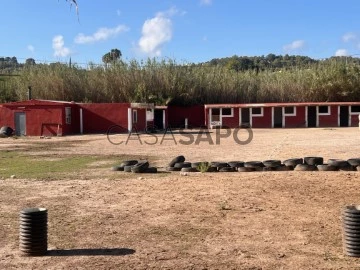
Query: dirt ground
259 220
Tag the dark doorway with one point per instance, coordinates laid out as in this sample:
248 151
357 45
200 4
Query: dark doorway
278 117
245 117
159 118
311 117
344 116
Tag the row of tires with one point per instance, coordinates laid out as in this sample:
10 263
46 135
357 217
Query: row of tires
135 166
297 164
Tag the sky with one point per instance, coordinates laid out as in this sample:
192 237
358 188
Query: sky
187 31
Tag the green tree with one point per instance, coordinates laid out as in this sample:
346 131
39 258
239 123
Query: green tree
112 56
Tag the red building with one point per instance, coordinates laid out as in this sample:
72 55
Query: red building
283 115
49 118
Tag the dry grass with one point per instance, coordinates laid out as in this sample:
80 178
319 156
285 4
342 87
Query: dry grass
261 220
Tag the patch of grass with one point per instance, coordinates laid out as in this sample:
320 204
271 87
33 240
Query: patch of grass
203 167
52 166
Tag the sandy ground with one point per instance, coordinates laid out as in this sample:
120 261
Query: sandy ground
259 220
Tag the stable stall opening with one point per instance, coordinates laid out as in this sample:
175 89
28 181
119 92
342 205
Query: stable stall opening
245 117
278 117
344 116
159 118
311 116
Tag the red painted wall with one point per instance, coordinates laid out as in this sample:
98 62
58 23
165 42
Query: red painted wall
232 122
194 114
298 120
7 117
354 120
141 121
329 120
98 117
263 121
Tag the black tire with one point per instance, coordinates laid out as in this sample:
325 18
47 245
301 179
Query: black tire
284 168
218 164
140 167
254 164
326 168
128 168
182 165
269 169
176 160
151 170
338 163
293 162
117 168
246 169
189 169
347 169
173 169
227 169
305 167
314 160
236 164
212 169
6 131
129 163
354 161
272 163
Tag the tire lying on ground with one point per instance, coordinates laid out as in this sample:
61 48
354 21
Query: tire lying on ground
246 169
173 169
6 131
117 168
314 160
253 164
227 169
151 170
338 163
326 168
128 162
272 163
128 168
283 168
269 169
182 165
140 167
354 161
212 169
305 167
236 164
176 160
293 162
218 164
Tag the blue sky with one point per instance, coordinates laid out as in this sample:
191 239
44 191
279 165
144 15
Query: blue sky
183 30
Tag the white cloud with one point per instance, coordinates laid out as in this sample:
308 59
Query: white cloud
341 52
295 45
156 32
101 34
31 48
58 45
349 37
205 2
